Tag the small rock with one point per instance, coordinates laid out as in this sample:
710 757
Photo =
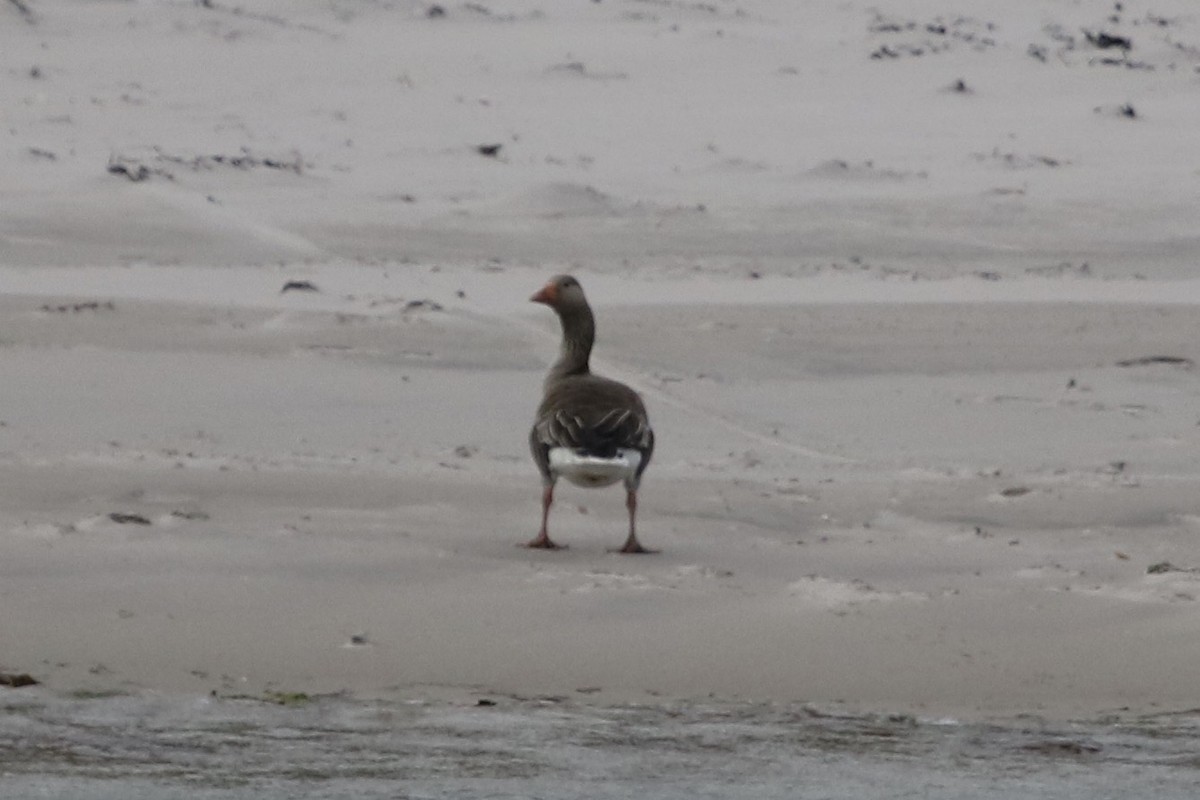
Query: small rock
489 150
1104 41
413 305
16 680
128 519
134 172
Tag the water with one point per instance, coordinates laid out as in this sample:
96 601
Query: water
210 748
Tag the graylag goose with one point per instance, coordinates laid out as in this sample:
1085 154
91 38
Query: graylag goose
590 430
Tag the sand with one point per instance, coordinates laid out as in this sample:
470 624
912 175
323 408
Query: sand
920 356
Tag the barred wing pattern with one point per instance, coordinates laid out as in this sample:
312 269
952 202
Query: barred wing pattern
591 416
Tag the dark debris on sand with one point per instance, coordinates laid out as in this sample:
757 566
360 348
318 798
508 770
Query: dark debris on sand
17 680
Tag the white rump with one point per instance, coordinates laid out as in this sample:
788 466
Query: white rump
591 471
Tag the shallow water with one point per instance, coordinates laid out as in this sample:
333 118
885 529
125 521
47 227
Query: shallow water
207 747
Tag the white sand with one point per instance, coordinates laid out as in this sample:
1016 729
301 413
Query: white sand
878 323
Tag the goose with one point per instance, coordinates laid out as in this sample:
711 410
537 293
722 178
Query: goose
593 431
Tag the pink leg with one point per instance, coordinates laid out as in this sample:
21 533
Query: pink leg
542 541
631 543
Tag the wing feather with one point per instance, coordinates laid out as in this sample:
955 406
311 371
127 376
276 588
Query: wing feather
593 415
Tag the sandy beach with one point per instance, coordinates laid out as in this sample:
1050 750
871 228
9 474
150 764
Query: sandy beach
910 293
